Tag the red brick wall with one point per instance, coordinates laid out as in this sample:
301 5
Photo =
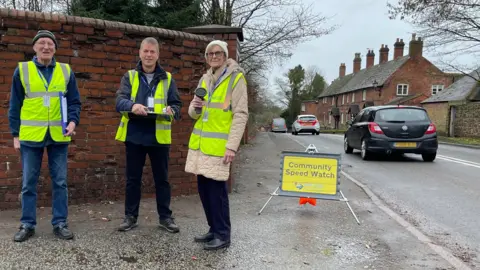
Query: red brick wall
100 52
420 75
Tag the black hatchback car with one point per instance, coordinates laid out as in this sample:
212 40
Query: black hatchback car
392 129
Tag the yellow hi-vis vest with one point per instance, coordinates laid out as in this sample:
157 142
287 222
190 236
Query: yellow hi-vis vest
41 108
163 131
211 129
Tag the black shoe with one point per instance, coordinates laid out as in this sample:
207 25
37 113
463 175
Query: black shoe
216 244
128 224
169 225
23 234
204 238
63 232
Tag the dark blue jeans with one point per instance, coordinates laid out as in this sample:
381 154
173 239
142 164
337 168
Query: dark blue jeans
31 165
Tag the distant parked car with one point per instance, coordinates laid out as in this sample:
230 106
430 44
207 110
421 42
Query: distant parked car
392 129
279 125
306 123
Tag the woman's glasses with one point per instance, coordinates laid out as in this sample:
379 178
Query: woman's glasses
217 54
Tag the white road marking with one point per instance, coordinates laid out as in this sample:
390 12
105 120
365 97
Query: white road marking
293 138
459 161
444 253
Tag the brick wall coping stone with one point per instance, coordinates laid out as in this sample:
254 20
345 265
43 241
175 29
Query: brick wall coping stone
97 23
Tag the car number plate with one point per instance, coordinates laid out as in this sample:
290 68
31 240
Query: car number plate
405 144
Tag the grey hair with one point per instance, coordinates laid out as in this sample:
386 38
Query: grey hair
152 41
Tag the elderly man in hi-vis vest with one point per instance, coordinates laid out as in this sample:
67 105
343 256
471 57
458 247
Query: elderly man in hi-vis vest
43 91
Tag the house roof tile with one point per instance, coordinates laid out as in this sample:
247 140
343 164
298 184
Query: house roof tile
364 78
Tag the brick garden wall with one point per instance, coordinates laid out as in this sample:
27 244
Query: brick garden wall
100 52
467 122
439 114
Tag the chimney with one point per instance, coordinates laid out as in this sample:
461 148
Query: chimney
342 70
370 58
399 47
357 62
416 46
384 54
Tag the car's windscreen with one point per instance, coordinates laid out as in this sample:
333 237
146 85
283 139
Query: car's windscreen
308 118
400 115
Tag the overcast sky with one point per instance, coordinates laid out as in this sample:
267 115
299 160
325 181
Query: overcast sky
363 25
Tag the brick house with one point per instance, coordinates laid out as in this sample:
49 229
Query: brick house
455 110
405 79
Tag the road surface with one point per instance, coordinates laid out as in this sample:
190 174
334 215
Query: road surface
442 198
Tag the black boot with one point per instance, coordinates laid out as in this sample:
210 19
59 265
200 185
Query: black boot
23 234
63 232
204 238
216 244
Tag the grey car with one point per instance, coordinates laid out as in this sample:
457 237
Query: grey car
279 125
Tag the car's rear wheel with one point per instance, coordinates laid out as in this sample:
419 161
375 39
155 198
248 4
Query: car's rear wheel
429 157
318 133
365 154
347 147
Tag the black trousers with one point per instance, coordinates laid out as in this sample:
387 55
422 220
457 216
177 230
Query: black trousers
136 156
214 197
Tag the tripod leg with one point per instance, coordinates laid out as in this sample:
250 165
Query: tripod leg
271 196
351 210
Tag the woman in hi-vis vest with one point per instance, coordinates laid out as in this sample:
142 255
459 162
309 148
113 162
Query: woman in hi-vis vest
220 119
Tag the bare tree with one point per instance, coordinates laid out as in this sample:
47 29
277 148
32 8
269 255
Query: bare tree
272 27
450 28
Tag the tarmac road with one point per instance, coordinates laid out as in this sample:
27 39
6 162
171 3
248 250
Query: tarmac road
442 198
285 236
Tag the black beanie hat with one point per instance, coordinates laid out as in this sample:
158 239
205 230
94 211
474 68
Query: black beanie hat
47 34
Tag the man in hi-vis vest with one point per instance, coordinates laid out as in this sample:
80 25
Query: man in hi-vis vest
148 87
35 115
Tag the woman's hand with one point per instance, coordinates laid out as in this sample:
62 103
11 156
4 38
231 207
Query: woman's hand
229 156
197 102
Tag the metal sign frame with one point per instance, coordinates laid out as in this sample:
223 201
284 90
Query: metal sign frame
312 151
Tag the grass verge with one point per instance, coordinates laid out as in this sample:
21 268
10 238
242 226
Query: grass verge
460 140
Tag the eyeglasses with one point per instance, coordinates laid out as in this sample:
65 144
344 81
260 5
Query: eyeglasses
217 54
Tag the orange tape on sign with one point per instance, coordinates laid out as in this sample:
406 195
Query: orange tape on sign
311 201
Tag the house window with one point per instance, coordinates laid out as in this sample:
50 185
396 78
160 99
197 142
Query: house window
303 107
437 88
333 101
325 100
342 118
329 119
353 97
364 95
402 89
348 98
343 99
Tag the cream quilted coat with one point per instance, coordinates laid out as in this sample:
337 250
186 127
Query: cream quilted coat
210 166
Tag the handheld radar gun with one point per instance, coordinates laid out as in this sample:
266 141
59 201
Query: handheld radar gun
201 93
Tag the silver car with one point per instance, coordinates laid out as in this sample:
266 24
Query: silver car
306 123
279 125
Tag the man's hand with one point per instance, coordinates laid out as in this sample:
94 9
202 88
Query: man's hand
169 110
16 143
229 156
70 129
139 109
197 102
